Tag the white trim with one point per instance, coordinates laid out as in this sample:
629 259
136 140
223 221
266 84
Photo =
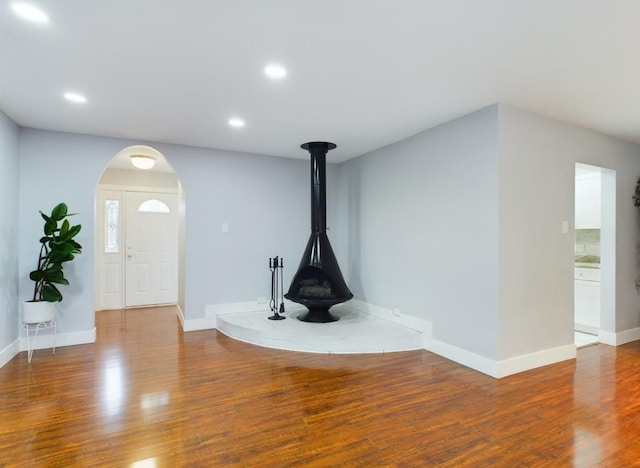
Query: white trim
504 368
180 315
188 325
462 356
409 321
137 188
620 338
8 353
197 324
530 361
62 339
608 338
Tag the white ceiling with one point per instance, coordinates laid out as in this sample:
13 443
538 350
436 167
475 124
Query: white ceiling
361 73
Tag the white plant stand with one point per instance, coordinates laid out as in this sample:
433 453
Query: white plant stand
34 327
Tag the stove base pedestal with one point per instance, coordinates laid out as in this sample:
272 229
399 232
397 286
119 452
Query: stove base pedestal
318 315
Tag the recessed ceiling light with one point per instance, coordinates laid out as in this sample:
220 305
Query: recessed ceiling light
236 122
75 97
275 71
29 12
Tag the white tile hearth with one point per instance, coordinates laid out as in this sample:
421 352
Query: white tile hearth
355 332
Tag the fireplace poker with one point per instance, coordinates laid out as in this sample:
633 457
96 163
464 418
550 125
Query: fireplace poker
276 289
281 288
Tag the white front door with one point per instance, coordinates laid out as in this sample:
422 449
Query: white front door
151 254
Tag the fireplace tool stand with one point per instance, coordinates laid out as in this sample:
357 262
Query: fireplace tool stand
277 293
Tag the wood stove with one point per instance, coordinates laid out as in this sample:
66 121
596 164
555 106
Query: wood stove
318 283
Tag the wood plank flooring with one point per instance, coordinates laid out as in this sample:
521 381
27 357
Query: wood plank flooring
147 395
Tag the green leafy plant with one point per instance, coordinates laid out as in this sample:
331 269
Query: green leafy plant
57 248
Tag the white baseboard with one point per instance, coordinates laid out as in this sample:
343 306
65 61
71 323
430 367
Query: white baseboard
530 361
620 338
180 315
195 324
8 353
61 339
608 338
506 367
409 321
462 356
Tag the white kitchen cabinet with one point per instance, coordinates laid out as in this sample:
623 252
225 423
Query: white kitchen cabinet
587 300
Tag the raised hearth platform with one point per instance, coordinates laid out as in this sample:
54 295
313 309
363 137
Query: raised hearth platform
355 332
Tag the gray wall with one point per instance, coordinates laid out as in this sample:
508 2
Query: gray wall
265 201
423 224
537 175
8 232
462 225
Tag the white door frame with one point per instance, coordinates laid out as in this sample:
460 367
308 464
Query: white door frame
606 333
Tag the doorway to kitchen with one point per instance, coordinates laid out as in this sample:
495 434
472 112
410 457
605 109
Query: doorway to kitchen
594 249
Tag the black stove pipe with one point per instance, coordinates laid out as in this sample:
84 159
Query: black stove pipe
318 151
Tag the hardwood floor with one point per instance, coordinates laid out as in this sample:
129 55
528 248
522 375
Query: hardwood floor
148 395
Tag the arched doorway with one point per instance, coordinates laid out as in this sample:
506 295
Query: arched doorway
139 220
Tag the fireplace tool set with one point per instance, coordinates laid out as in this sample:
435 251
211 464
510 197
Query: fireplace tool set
277 292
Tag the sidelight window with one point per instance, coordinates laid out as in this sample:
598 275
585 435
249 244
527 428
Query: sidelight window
112 210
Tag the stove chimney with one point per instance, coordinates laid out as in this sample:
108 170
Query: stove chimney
318 283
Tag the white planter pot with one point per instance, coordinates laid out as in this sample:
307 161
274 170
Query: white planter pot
38 311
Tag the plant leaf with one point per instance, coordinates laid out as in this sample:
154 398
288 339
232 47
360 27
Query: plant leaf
50 227
58 256
36 275
64 228
55 277
59 211
50 293
70 233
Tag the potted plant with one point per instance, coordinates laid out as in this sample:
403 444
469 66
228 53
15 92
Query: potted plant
57 246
